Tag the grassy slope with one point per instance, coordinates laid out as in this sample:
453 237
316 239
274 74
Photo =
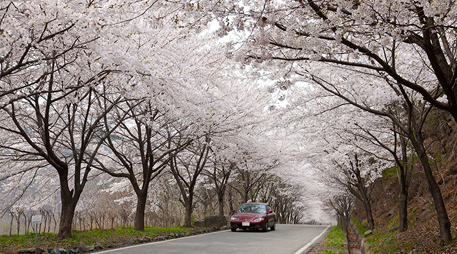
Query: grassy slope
422 235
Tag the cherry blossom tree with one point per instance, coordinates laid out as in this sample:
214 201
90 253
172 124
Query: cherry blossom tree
136 150
343 205
220 176
357 184
401 155
48 128
186 168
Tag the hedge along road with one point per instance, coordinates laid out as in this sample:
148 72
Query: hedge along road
293 239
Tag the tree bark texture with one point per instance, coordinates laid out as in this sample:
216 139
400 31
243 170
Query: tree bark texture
66 217
189 210
140 208
434 189
403 209
220 200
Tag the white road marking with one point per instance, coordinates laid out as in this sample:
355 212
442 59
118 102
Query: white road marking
168 240
310 243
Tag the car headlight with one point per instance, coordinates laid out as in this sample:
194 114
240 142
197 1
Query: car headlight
259 219
233 218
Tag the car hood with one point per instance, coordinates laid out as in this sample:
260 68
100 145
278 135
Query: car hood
242 216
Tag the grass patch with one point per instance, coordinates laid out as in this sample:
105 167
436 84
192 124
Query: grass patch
382 243
335 237
389 242
382 240
334 252
361 227
335 240
117 235
411 216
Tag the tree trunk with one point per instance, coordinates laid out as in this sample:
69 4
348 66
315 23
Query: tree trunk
230 200
66 217
363 196
245 196
189 210
434 189
345 225
11 222
403 209
139 214
18 219
402 173
26 224
367 205
220 200
45 222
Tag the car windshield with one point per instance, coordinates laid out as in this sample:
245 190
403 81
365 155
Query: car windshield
252 208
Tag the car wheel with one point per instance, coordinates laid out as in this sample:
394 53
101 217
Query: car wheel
233 229
274 226
265 229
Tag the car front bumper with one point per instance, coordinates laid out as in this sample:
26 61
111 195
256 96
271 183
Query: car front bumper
252 224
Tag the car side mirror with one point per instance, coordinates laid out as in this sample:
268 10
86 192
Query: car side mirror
234 211
270 211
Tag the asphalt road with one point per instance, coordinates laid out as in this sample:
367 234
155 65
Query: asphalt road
293 239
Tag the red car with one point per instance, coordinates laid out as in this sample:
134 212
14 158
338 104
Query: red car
253 216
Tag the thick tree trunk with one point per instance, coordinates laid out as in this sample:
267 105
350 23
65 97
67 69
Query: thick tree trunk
245 196
69 199
188 215
403 209
66 217
139 214
220 201
434 189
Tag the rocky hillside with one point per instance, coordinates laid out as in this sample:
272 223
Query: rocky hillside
422 235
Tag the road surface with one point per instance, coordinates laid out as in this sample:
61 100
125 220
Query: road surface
293 239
